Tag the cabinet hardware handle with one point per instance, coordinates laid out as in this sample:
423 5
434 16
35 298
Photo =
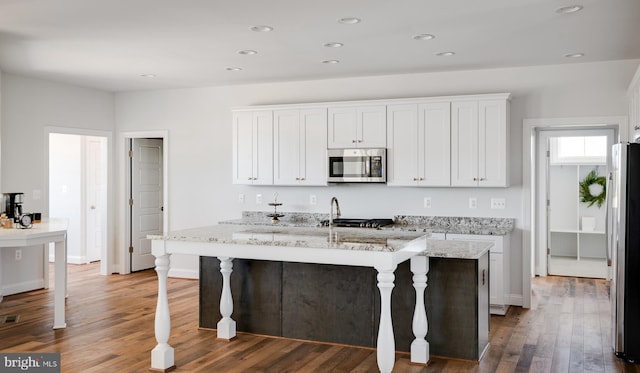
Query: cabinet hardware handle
297 178
353 141
255 178
482 179
422 178
415 179
359 140
249 179
302 179
483 271
475 179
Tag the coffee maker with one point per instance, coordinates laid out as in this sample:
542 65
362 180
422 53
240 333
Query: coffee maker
13 205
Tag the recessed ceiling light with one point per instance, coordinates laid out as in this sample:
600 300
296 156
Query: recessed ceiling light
569 9
423 37
331 62
445 54
148 75
333 44
234 68
261 28
248 52
349 20
574 55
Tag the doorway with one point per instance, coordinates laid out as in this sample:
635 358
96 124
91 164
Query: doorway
146 199
78 170
572 171
531 254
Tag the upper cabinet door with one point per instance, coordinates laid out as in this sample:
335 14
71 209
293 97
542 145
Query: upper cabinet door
253 147
403 145
300 147
242 148
372 126
418 144
480 143
286 147
342 128
313 140
464 143
263 148
493 143
357 127
435 126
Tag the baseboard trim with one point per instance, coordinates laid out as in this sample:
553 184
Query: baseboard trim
21 287
514 299
184 273
501 310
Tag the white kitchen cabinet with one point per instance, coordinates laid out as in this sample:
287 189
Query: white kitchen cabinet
498 268
480 142
300 147
418 144
253 147
357 127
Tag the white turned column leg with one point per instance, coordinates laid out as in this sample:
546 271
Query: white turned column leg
226 325
162 356
419 346
60 281
386 341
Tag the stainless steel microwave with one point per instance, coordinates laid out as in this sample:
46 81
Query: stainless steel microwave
357 165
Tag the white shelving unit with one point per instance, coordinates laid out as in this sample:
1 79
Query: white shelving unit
567 238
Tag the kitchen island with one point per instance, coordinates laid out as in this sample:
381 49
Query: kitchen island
354 248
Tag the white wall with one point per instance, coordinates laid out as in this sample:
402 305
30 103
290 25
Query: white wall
28 106
199 125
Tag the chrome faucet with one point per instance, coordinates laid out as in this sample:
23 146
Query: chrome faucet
333 199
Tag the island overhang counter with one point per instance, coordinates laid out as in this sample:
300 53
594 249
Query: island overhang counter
382 250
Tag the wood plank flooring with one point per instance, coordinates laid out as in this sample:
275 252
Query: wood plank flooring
110 329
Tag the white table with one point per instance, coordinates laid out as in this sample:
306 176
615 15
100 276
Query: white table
50 231
347 246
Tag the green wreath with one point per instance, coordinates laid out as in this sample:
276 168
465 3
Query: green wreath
591 184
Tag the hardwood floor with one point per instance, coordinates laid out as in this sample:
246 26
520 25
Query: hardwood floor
110 328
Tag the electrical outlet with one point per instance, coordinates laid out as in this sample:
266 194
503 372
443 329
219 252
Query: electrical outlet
312 199
427 202
498 203
473 203
18 254
258 199
241 198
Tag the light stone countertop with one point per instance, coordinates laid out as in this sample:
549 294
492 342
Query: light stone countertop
456 249
312 237
365 239
424 224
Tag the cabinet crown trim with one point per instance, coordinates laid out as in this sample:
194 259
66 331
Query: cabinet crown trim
395 101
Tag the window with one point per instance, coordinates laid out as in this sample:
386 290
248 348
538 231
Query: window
581 149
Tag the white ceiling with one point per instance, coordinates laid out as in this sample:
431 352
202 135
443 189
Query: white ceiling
109 44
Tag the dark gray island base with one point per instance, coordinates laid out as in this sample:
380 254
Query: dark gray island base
341 304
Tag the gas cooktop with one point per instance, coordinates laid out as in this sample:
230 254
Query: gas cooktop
358 223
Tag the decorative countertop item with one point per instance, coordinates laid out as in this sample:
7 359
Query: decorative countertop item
274 216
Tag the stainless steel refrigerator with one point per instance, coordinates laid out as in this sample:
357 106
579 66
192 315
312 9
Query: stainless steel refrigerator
623 198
